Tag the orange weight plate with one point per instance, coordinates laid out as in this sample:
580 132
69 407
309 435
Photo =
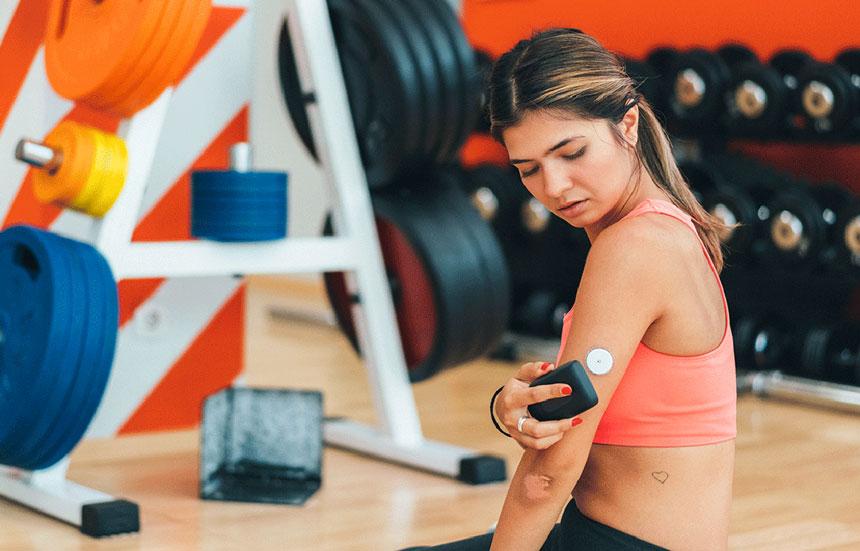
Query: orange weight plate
177 54
77 148
138 62
88 42
149 62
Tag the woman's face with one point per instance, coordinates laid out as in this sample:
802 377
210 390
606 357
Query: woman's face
576 168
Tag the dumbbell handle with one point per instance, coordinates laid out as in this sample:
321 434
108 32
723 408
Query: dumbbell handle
39 155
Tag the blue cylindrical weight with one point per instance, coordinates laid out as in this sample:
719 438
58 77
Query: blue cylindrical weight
239 206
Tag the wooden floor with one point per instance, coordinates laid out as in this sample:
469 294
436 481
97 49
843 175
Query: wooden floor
797 483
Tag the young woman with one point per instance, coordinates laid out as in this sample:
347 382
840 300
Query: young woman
651 465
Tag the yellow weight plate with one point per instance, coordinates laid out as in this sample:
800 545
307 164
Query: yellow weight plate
89 43
115 171
95 177
76 148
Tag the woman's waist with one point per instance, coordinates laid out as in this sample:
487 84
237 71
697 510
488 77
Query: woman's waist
693 482
679 498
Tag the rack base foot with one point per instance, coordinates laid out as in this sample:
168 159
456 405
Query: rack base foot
461 463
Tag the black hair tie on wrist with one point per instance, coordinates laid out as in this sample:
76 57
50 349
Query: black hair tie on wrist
493 414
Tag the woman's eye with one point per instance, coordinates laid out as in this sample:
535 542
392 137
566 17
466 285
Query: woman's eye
528 173
572 156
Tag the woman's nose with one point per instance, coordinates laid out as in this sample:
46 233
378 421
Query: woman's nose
556 183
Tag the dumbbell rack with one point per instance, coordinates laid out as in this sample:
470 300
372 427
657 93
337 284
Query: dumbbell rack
354 249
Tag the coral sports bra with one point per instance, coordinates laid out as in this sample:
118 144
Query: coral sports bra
669 401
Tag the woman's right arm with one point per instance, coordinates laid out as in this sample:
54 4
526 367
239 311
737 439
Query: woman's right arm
514 399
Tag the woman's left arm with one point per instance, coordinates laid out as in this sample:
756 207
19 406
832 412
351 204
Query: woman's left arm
622 292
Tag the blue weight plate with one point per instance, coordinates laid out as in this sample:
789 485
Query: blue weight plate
34 317
205 192
88 326
57 389
203 215
226 204
227 200
235 175
228 179
225 213
92 378
250 204
242 236
235 203
234 226
229 225
275 197
206 219
207 214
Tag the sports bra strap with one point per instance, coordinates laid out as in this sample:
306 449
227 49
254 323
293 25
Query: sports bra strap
669 209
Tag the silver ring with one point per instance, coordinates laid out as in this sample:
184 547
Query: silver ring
520 422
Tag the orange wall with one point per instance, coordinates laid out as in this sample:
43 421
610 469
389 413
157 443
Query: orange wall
634 27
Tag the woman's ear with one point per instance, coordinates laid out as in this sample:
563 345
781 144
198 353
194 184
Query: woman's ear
629 125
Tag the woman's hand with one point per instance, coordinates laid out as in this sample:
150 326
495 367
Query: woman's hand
512 402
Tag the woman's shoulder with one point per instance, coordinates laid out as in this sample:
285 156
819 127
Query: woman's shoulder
650 235
650 248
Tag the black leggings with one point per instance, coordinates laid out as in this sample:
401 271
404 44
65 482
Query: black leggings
575 532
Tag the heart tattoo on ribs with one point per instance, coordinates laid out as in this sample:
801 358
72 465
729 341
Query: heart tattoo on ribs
660 476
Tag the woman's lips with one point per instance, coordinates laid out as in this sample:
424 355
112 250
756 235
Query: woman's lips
573 209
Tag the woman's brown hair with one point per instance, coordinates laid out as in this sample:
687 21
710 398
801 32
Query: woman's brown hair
567 71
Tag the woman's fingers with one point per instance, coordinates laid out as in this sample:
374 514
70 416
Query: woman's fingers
542 429
532 370
516 397
542 393
541 434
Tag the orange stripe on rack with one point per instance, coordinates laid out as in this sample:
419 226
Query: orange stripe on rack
133 293
18 48
25 208
220 21
212 362
170 219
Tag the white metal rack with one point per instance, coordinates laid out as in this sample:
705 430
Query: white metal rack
354 249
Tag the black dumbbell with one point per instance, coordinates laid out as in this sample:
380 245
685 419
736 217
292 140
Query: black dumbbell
662 60
848 236
741 197
832 353
830 95
762 342
497 193
762 99
701 177
803 223
541 313
701 79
